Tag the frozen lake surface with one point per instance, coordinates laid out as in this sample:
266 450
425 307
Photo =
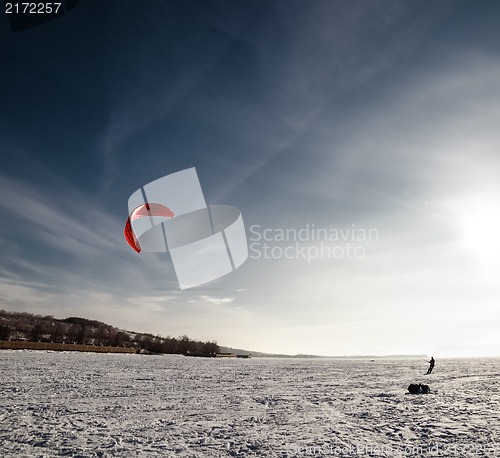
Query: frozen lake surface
102 405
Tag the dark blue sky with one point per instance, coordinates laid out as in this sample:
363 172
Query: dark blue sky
328 113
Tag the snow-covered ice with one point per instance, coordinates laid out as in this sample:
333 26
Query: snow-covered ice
105 405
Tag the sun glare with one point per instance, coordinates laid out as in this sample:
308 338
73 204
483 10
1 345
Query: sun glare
482 231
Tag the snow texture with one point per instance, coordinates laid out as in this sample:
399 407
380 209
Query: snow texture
93 405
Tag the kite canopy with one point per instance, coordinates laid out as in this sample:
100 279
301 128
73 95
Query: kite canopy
143 211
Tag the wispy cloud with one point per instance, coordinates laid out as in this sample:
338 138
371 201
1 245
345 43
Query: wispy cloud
78 245
217 300
309 79
72 224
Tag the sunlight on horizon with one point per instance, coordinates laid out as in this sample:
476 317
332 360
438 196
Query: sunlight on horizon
482 231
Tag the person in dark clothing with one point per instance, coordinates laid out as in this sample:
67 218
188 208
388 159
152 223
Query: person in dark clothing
431 362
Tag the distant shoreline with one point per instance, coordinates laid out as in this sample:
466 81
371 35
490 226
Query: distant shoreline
64 346
54 346
86 348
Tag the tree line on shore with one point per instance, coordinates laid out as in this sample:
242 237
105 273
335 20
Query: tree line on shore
27 326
